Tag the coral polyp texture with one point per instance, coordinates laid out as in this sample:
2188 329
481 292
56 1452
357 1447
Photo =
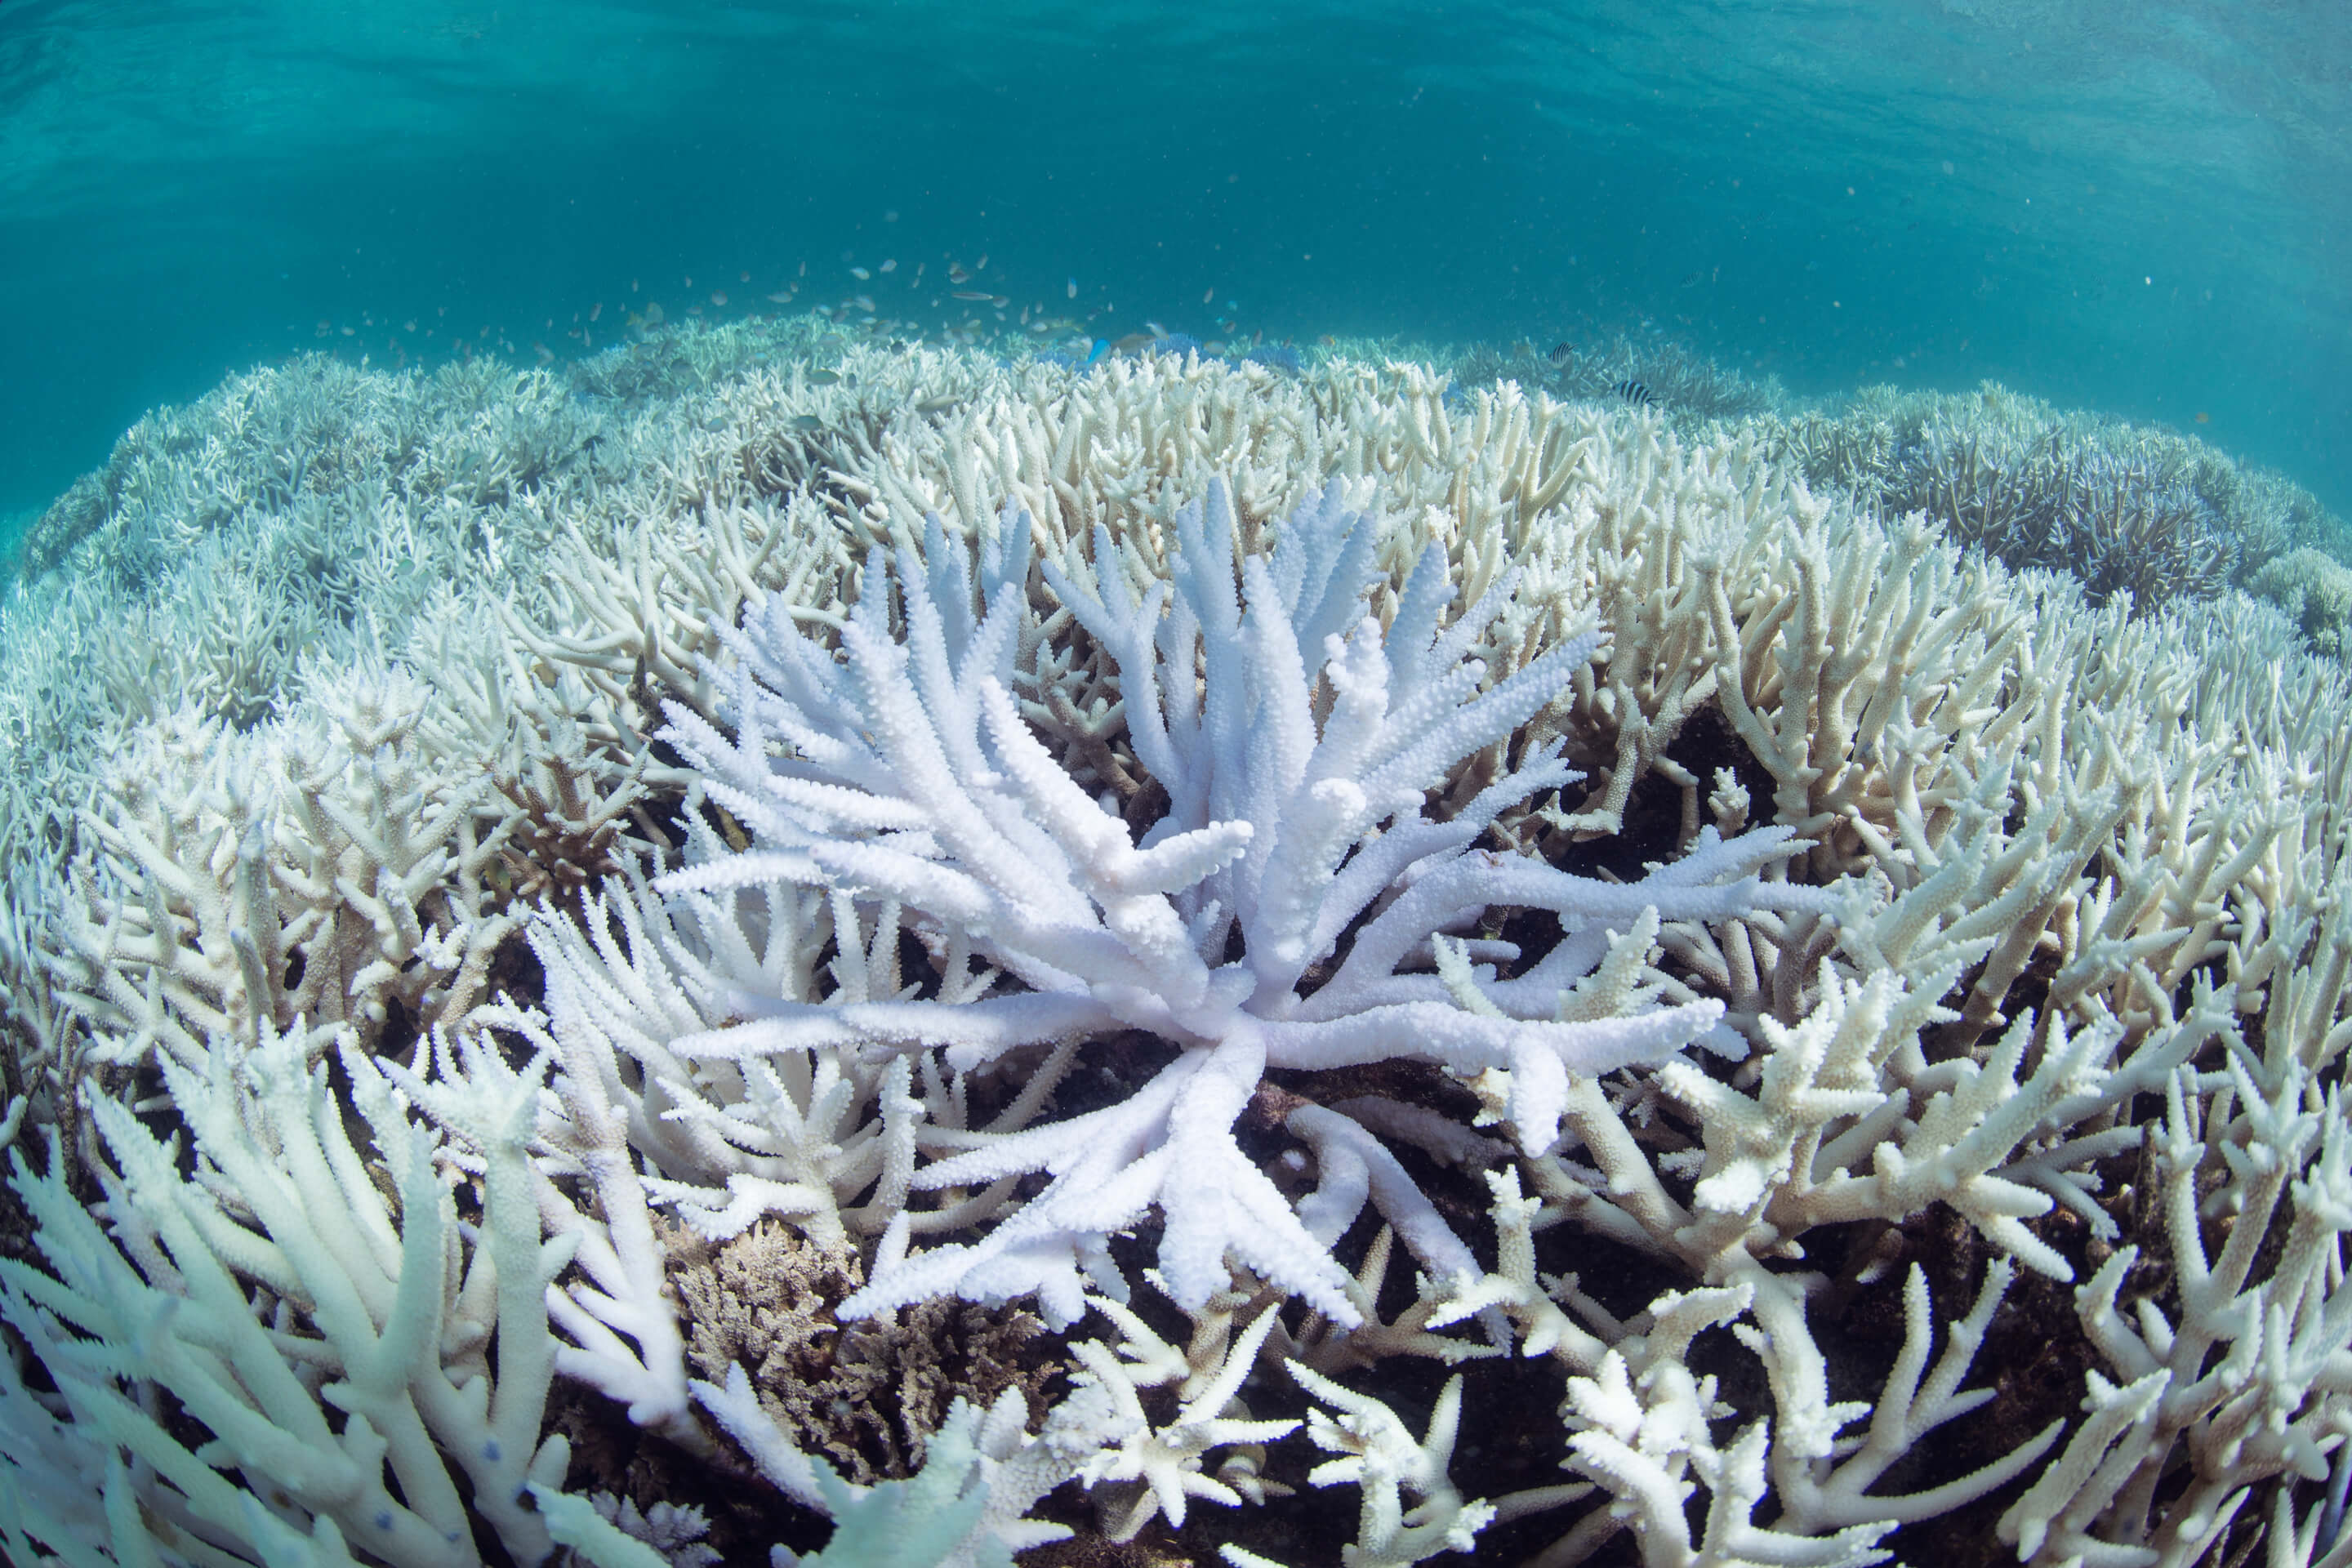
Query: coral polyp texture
960 961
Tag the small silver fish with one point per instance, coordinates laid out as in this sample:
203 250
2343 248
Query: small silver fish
806 422
823 377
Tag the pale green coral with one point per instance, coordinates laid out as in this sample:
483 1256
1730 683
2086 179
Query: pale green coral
2316 591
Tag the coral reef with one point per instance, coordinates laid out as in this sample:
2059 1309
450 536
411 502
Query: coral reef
2314 589
867 1392
1188 958
1687 387
2126 509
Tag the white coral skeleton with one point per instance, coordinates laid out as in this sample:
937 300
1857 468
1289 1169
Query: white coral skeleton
1297 741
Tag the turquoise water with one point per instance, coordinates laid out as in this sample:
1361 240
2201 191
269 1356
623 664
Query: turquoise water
2138 208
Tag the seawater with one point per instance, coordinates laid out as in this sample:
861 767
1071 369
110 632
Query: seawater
2137 208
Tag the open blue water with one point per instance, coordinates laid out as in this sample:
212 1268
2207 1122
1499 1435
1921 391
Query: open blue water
2141 208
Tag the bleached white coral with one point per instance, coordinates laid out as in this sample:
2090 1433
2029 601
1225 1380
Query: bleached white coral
1166 1460
2093 865
1377 1455
1297 740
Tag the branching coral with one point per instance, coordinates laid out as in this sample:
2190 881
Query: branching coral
1111 896
2315 592
332 1338
2128 509
913 782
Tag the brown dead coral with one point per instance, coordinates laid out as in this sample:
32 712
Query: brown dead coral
864 1394
567 818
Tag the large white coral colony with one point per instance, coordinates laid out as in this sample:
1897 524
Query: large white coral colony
1136 883
904 775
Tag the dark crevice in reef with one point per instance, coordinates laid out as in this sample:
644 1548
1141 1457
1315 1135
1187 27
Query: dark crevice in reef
746 1514
1653 824
514 971
1107 1071
2034 1358
397 1035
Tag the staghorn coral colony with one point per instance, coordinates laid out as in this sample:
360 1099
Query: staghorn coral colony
694 962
